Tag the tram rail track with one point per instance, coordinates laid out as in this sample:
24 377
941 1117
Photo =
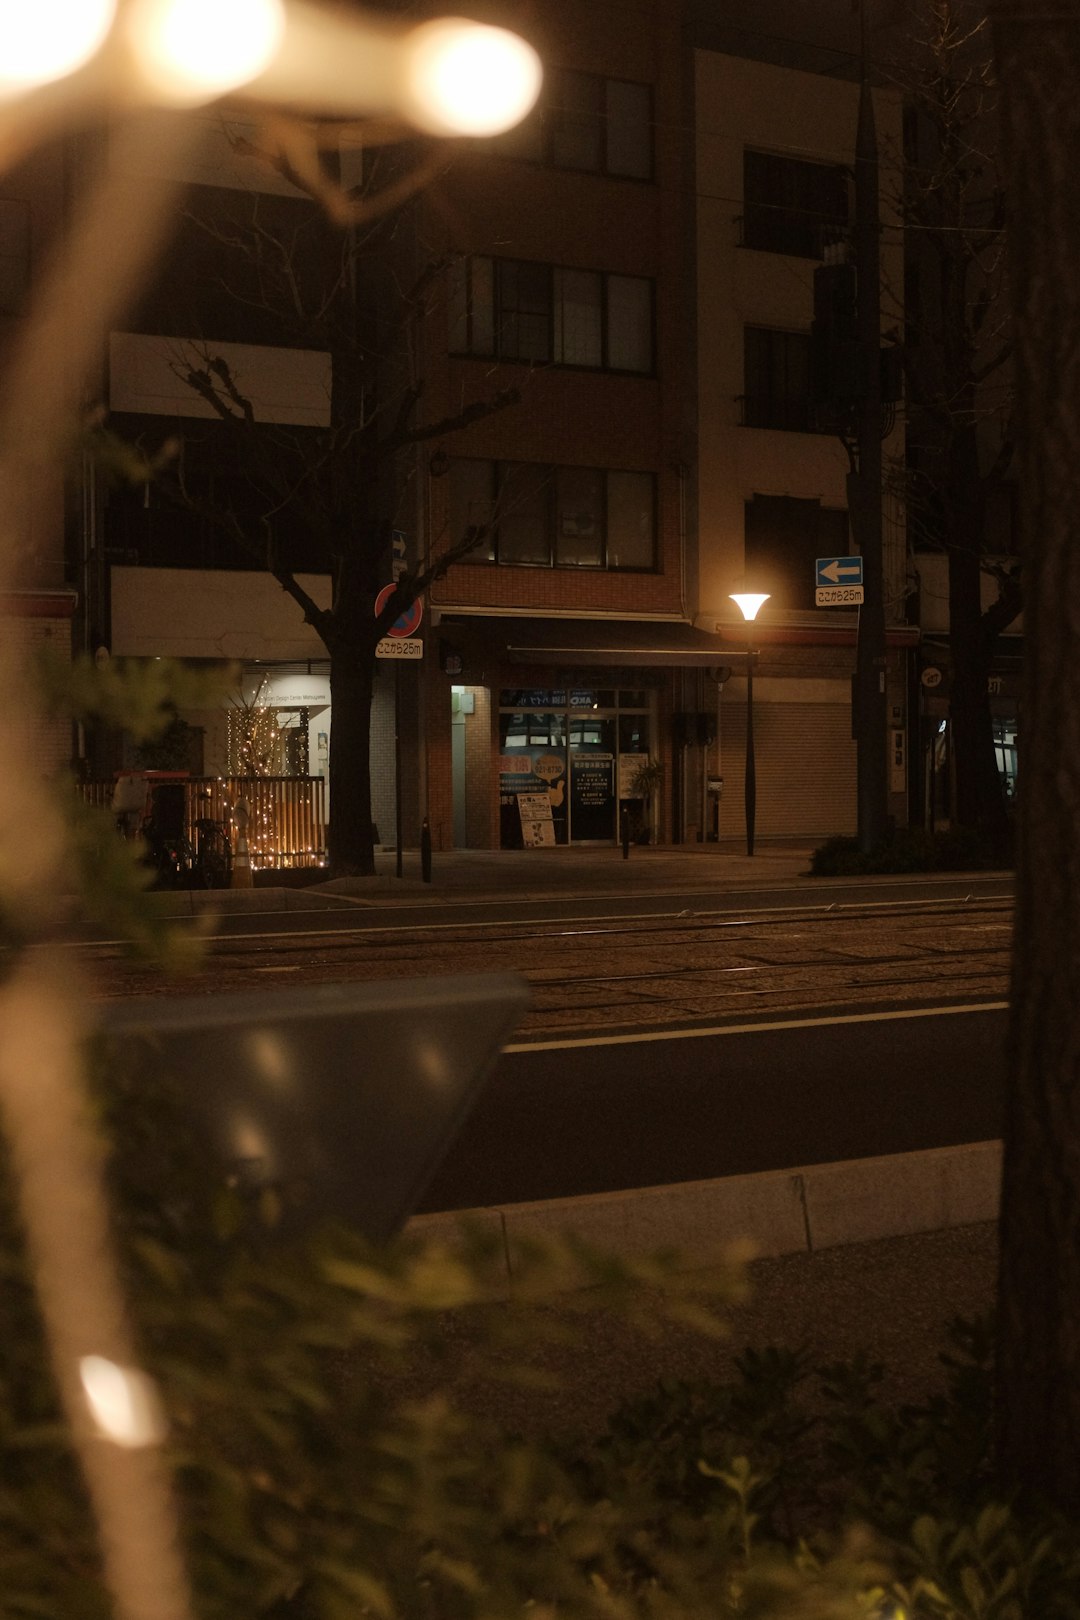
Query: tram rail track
609 971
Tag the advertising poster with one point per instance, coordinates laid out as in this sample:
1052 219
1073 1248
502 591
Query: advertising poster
592 793
539 771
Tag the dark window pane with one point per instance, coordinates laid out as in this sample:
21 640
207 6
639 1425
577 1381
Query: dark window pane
525 141
791 206
631 520
784 539
524 292
578 325
579 517
776 380
630 323
470 504
629 129
481 306
574 114
524 513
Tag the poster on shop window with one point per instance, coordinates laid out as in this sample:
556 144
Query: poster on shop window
592 797
541 774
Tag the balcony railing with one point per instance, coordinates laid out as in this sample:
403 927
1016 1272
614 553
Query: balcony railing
287 814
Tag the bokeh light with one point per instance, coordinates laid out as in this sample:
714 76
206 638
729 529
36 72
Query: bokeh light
195 50
41 40
464 78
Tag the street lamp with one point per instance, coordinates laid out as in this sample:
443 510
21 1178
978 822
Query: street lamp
749 606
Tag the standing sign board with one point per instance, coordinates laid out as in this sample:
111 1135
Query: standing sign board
537 824
838 581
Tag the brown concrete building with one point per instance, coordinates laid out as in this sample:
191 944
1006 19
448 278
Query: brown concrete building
554 645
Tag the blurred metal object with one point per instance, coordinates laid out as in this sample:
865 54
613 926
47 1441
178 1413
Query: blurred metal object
342 1099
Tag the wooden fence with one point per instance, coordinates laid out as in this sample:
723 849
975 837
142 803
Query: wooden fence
287 814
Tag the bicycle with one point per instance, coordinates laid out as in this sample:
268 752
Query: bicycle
211 864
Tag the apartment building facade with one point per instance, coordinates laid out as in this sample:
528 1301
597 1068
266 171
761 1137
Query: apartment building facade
775 157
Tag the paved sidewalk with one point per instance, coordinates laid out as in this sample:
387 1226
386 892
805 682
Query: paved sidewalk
477 875
485 874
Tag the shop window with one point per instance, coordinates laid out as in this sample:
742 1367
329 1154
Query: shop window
511 309
793 206
562 517
784 539
587 123
776 380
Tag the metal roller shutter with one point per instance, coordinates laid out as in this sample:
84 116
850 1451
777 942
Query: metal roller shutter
805 760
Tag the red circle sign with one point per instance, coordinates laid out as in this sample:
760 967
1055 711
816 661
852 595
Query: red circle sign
407 623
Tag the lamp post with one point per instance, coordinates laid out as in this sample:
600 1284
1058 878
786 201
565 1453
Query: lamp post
749 605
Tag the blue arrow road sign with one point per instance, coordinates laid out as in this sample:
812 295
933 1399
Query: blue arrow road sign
838 571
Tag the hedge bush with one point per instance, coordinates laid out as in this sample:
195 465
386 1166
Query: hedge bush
310 1493
912 849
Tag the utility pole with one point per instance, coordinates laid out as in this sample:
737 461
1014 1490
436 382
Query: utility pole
864 484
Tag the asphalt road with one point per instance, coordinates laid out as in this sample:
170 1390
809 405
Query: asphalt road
563 1119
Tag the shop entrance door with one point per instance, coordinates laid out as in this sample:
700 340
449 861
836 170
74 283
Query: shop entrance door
593 802
577 746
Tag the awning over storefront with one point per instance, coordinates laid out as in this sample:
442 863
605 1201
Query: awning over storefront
634 643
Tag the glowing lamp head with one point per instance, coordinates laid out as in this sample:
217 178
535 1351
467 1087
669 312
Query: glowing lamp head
49 39
464 78
195 50
749 604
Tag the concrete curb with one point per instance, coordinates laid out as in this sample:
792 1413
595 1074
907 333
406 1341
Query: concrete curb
820 1206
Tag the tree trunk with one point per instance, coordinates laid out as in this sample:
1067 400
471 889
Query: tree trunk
980 801
1038 55
351 846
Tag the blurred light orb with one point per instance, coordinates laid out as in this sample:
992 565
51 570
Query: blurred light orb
464 78
194 50
46 39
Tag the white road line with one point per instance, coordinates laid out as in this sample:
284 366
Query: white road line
750 1029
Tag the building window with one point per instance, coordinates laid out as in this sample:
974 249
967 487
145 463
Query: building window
555 517
588 123
776 380
511 309
791 206
784 538
14 255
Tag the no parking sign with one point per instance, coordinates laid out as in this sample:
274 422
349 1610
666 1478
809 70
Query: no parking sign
407 623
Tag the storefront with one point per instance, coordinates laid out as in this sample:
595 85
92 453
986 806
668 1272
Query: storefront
580 746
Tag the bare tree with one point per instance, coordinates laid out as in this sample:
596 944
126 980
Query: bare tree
334 273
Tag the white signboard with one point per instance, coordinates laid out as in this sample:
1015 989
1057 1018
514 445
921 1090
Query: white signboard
838 595
537 826
400 647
